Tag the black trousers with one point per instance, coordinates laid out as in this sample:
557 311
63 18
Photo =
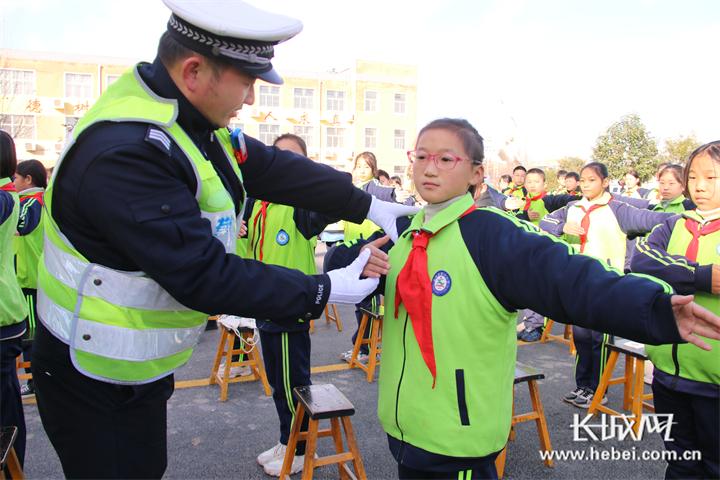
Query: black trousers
486 471
11 409
696 427
591 356
287 363
98 429
27 341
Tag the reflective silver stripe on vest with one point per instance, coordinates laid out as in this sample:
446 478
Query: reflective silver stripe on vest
115 342
124 289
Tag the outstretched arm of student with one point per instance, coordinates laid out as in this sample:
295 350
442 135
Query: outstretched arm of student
554 222
651 257
531 270
637 221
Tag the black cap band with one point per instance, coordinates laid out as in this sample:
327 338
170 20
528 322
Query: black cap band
251 56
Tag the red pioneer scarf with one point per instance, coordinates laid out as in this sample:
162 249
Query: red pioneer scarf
8 187
414 291
529 200
585 223
262 213
696 231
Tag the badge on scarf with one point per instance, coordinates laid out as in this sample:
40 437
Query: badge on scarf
282 238
441 283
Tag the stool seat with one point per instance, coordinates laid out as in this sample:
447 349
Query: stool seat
628 347
525 373
323 401
8 457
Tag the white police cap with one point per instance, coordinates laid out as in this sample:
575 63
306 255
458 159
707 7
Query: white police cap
232 30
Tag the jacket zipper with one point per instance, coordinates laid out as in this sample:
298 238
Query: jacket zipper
397 395
677 365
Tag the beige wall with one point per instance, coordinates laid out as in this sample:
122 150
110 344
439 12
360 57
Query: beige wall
51 108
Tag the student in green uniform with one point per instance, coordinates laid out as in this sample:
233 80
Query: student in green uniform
13 309
30 182
517 186
684 252
670 191
456 279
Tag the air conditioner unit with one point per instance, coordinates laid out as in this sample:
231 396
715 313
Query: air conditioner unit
59 103
30 146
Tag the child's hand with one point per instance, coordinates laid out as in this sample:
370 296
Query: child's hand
242 231
573 229
533 215
378 264
694 321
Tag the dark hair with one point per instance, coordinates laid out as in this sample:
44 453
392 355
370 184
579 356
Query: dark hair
519 167
397 179
35 169
661 166
712 149
8 157
574 175
599 168
537 171
633 172
472 141
506 177
562 173
295 138
170 51
383 173
370 159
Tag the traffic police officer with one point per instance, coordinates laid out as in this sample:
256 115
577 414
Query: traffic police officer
141 225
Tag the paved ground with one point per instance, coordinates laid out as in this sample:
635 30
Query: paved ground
212 439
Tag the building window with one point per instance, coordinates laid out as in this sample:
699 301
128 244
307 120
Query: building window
370 101
335 100
335 137
111 79
303 98
18 126
268 133
306 133
399 103
399 139
17 82
269 96
371 138
78 85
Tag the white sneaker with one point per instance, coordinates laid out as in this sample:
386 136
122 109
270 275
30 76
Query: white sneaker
235 371
346 356
272 454
273 468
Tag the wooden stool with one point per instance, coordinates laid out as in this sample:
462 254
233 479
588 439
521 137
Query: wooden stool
319 402
226 349
8 457
566 337
329 317
634 395
524 373
374 342
21 365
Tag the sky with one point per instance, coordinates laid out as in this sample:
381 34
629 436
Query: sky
552 75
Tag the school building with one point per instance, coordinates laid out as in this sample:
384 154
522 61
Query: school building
339 113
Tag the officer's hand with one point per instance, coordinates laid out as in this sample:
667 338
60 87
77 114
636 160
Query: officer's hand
694 321
514 203
378 264
346 285
384 214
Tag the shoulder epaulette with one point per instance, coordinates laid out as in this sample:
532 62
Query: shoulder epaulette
159 139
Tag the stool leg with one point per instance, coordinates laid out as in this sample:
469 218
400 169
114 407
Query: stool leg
259 368
500 462
310 447
229 339
337 439
218 356
374 340
338 320
604 382
352 446
13 466
627 383
312 325
292 442
511 436
546 330
638 390
358 341
540 422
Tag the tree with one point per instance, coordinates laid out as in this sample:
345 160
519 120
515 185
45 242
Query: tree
571 164
627 144
678 150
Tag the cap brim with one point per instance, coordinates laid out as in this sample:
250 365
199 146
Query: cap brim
270 76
